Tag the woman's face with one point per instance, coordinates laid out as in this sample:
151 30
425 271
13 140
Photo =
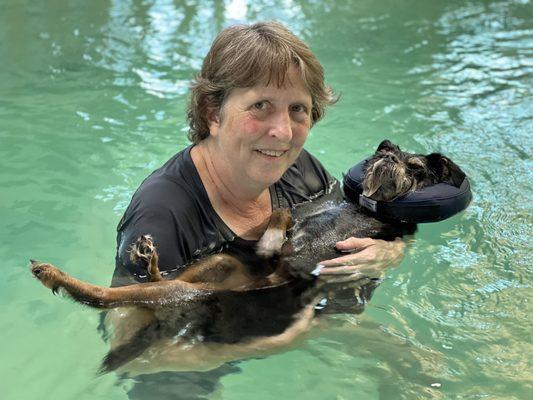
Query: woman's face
260 131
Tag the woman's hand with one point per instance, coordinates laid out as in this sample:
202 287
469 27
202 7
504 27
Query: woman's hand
367 258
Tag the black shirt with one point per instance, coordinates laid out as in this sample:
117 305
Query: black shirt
172 206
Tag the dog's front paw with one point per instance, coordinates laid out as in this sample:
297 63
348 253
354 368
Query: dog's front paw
271 242
143 249
49 275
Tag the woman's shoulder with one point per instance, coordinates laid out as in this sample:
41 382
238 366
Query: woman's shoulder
173 190
175 180
306 179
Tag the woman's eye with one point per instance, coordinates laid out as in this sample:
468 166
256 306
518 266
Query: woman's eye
260 105
298 108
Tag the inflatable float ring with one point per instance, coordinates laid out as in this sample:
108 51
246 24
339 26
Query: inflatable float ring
430 204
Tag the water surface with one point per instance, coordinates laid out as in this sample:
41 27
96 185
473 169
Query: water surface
92 99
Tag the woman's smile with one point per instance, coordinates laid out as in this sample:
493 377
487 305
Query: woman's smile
271 153
260 131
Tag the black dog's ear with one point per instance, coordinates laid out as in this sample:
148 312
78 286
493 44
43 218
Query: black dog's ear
445 169
388 145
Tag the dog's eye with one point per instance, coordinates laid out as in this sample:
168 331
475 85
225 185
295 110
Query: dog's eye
415 162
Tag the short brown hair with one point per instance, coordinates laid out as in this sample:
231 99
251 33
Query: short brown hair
247 55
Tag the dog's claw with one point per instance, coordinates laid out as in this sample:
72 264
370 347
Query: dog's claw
142 249
48 275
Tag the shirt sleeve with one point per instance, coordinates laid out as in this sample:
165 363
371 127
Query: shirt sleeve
153 212
156 223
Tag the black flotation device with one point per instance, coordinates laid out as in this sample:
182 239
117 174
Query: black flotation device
430 204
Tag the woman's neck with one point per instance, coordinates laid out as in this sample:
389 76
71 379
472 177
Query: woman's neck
242 208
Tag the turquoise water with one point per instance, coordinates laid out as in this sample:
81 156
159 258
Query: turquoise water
92 98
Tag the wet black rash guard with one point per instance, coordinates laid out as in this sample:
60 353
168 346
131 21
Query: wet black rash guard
172 206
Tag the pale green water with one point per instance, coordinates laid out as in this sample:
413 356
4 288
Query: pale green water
91 100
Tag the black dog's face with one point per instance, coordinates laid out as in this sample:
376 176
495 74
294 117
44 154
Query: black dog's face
392 173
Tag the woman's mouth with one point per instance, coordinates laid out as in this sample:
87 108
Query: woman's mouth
272 153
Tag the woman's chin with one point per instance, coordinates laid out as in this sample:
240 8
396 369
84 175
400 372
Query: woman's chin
265 178
269 169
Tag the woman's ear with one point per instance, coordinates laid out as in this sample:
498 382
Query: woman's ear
213 120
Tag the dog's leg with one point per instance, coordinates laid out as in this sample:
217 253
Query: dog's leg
272 240
140 341
147 295
144 250
221 271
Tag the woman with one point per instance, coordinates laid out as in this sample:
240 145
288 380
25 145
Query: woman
259 92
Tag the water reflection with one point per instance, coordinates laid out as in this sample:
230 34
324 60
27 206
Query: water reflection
483 78
92 99
163 42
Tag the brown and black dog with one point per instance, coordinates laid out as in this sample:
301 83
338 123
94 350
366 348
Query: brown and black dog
217 298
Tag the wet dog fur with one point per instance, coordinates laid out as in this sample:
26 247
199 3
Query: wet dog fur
220 284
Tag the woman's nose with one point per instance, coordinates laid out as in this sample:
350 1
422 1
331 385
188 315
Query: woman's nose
281 126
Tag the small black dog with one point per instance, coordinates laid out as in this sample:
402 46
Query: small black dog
219 300
390 173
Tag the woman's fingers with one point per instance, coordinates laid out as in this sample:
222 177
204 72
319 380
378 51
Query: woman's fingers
353 243
371 260
362 257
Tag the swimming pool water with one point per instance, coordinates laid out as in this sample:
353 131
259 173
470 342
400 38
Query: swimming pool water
92 99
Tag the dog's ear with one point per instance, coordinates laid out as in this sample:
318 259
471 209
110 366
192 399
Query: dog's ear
388 146
445 169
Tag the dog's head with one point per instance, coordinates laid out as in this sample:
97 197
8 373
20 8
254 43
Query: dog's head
392 173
